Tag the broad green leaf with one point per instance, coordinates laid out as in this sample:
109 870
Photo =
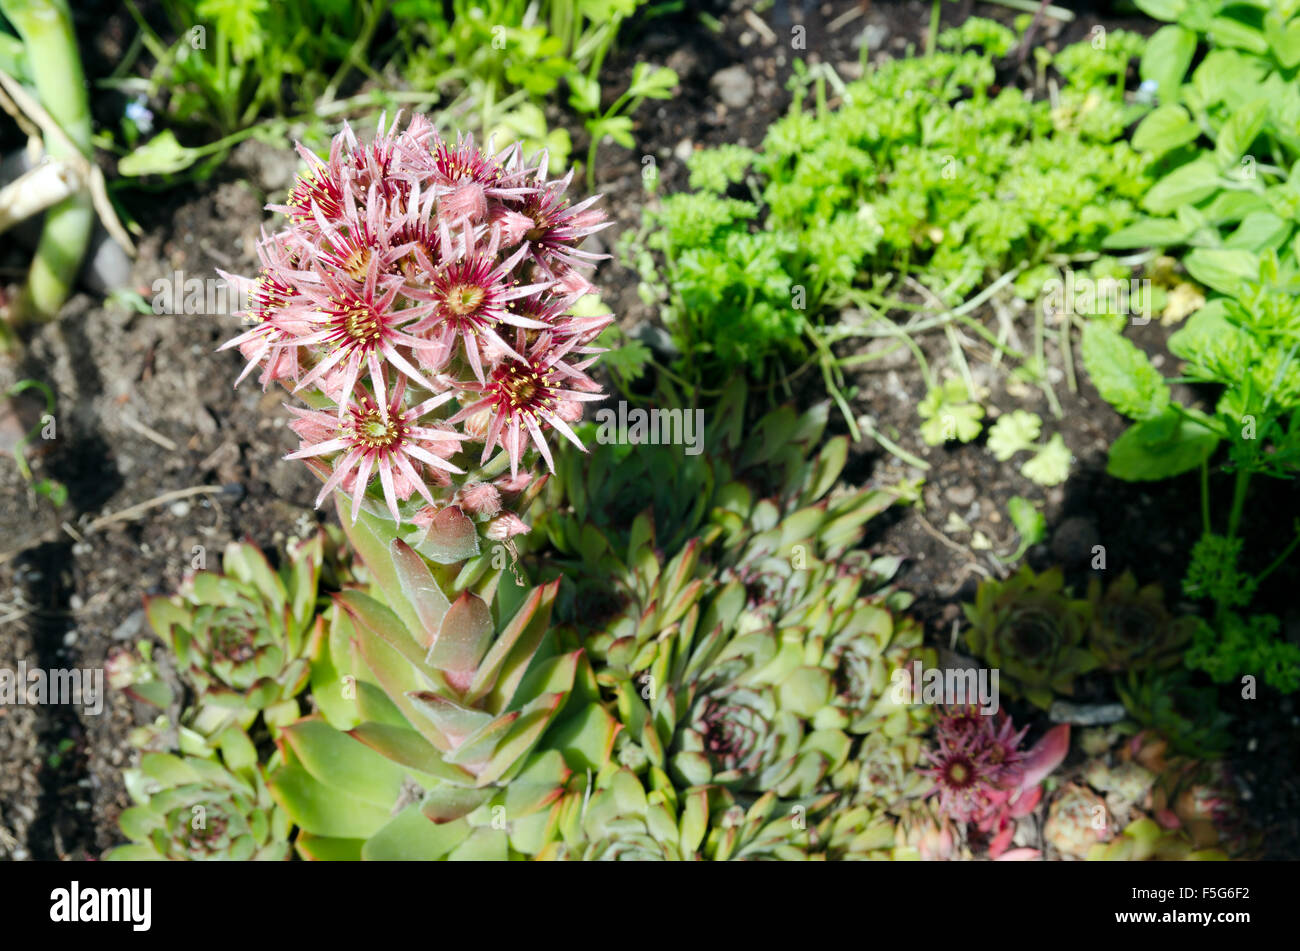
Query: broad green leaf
483 845
1242 128
370 616
1260 231
320 810
371 539
422 592
343 763
1168 53
1222 268
585 739
1122 373
1160 448
168 769
1284 39
445 803
456 722
508 659
1229 206
407 748
1165 129
1225 31
318 848
509 752
1185 185
1149 232
450 537
1167 10
463 637
412 836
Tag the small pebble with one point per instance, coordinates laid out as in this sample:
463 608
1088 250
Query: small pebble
872 36
180 509
960 495
734 86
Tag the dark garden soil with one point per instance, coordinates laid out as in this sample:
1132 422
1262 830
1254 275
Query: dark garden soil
165 462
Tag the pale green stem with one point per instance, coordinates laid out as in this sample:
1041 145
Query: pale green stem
46 29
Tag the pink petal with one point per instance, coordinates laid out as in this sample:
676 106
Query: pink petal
1046 755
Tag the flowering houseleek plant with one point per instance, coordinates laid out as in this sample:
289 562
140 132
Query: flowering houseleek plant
983 777
417 299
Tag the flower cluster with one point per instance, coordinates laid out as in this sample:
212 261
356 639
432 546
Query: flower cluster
420 299
981 775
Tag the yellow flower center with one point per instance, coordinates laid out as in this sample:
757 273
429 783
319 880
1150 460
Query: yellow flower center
464 299
361 323
373 433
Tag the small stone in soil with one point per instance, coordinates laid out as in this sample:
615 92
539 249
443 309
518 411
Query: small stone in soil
872 37
734 86
960 495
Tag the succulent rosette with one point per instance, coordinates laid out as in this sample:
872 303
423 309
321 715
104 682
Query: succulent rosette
194 809
418 300
630 818
769 684
1132 629
747 658
623 821
1077 821
443 733
926 833
1162 806
243 637
1030 629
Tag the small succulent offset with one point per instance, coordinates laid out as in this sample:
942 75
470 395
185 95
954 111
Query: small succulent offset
190 808
1171 704
628 820
418 299
1131 627
983 777
242 638
1030 629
